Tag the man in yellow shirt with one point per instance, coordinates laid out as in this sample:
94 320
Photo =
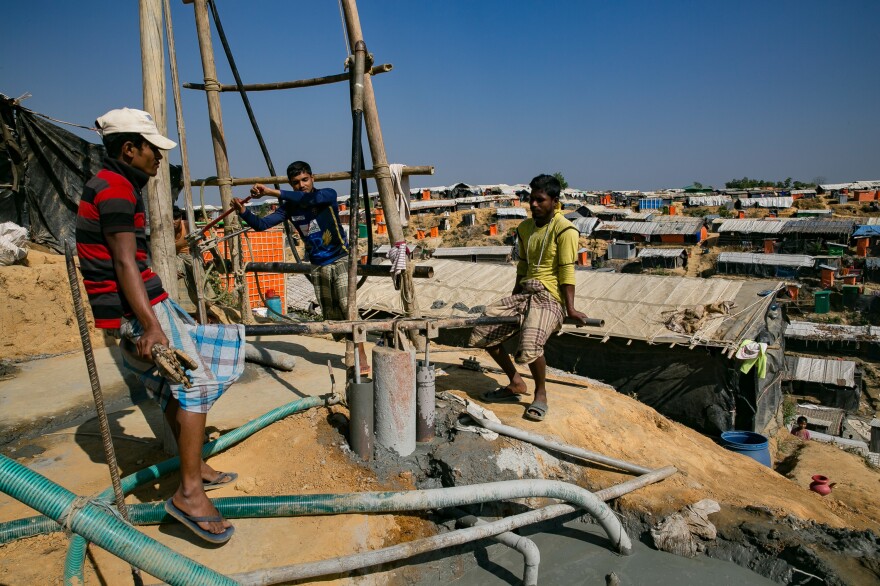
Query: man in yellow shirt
543 296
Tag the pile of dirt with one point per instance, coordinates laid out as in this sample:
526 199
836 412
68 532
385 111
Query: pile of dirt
37 317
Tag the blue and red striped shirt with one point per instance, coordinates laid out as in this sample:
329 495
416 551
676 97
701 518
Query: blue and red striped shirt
112 202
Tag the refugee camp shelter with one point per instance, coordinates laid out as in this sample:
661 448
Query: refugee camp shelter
689 374
799 234
834 383
749 233
511 213
777 202
819 337
669 258
708 200
665 229
782 266
826 420
621 250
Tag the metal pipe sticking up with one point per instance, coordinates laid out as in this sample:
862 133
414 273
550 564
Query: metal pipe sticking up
394 385
425 401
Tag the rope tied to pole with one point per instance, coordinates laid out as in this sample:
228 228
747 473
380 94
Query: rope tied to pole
381 171
221 181
212 85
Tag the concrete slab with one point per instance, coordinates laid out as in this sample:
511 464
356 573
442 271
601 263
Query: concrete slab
52 393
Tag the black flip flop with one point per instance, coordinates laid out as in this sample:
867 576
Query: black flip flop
191 523
536 411
500 395
223 479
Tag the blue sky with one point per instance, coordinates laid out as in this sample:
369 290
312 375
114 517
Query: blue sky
624 95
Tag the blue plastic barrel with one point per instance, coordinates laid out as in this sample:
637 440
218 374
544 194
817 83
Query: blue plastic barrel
747 443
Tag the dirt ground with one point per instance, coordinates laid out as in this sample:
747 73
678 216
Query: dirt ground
298 455
37 316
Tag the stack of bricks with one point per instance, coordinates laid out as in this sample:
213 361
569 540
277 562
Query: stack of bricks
265 246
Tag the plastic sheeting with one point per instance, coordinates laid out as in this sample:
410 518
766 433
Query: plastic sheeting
55 164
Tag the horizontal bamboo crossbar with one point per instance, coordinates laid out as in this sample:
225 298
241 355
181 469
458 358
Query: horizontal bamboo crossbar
286 85
388 325
320 177
419 272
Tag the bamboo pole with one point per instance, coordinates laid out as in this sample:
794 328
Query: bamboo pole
376 325
159 202
380 162
198 268
302 268
286 85
206 48
319 177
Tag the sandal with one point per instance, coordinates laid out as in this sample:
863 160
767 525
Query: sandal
500 395
536 411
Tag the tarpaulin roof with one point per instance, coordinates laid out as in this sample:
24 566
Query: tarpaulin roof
866 230
753 226
661 252
774 260
804 330
818 370
633 306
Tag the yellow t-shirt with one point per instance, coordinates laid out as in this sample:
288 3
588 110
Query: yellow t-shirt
548 253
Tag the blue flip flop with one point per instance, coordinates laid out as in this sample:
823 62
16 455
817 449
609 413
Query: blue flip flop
191 523
223 479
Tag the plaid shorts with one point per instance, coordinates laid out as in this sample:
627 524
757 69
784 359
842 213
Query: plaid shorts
218 349
331 288
541 315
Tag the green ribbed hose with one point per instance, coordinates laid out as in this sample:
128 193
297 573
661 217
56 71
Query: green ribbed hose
103 529
39 525
76 552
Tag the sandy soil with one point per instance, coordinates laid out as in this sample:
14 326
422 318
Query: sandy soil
299 455
613 424
857 484
36 316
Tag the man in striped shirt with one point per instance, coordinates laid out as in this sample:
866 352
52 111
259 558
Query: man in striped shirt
126 295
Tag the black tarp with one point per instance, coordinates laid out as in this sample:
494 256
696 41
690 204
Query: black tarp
57 165
695 387
54 165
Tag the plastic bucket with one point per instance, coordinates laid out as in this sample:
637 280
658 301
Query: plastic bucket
362 230
274 304
747 443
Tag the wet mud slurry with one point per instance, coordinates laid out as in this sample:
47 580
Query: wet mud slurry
754 545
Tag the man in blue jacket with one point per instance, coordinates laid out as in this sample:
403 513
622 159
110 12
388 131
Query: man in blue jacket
315 215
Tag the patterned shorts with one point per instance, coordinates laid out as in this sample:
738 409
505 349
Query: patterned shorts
218 348
540 316
331 288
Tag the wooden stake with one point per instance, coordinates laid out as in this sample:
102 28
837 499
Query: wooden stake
380 163
159 203
212 89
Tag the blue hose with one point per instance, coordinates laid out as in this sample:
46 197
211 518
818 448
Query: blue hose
39 525
102 528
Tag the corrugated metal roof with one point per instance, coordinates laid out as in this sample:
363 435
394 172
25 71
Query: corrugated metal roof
633 306
512 212
767 202
841 373
819 226
585 225
661 252
428 204
804 330
754 226
773 260
455 251
688 226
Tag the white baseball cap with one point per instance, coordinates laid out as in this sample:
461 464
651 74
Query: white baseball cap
130 120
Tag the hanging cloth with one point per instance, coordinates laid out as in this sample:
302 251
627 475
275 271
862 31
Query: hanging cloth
752 353
400 183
